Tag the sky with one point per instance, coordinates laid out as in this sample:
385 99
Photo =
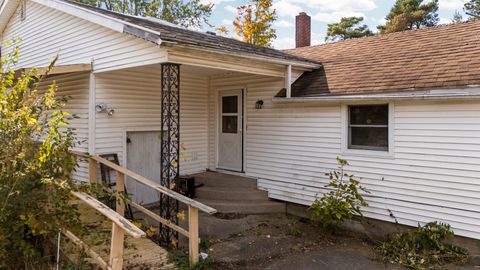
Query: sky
322 12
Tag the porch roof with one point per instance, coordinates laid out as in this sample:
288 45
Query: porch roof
170 34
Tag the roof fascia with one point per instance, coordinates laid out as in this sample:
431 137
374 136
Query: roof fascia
95 17
435 94
7 9
307 66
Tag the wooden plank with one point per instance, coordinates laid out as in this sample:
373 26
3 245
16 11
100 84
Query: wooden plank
158 218
116 247
155 186
193 240
92 171
123 223
97 258
119 189
62 69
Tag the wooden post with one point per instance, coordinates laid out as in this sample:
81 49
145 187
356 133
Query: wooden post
193 242
92 171
120 188
116 248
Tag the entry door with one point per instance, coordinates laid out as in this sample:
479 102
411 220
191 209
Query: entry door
143 157
230 139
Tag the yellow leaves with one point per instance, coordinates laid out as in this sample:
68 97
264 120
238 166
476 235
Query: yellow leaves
151 231
181 215
254 22
31 121
174 242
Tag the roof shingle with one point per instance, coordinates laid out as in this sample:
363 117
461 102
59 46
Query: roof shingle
183 36
437 57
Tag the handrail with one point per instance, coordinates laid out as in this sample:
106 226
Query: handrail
116 218
193 206
155 186
120 226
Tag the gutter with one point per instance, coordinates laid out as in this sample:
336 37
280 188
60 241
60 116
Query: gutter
380 97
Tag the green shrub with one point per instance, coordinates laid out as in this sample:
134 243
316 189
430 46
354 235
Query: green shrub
35 167
343 202
422 248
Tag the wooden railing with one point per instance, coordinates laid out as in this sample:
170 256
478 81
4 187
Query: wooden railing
120 227
193 206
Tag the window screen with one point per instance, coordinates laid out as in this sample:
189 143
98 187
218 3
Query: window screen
368 127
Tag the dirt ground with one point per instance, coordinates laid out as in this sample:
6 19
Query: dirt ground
279 242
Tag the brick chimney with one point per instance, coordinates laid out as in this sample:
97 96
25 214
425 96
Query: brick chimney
302 30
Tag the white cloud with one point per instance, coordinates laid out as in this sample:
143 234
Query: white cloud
285 8
451 4
339 5
226 22
214 2
283 24
284 43
332 17
230 8
445 21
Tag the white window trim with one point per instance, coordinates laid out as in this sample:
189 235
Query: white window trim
362 152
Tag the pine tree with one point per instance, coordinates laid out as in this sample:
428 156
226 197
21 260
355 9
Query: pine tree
254 23
410 14
347 28
457 17
191 13
472 8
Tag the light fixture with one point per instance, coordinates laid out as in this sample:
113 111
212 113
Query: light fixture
104 108
259 104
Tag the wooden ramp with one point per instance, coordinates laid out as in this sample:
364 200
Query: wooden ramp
139 253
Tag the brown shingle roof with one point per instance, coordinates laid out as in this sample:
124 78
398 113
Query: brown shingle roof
437 57
183 36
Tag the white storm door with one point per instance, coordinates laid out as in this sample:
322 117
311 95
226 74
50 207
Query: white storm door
230 138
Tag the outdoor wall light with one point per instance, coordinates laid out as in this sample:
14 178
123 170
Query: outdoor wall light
258 104
104 108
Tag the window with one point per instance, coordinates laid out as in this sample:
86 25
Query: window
368 127
230 114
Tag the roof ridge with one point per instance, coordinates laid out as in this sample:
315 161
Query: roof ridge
379 35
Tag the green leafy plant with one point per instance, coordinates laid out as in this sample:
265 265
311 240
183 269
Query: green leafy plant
342 202
423 248
181 261
35 165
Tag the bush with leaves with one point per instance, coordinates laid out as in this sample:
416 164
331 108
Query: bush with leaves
423 248
343 202
35 165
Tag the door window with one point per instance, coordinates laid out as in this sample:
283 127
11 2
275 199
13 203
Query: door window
230 114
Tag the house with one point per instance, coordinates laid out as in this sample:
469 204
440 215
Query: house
402 108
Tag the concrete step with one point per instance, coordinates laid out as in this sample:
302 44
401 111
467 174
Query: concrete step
231 194
246 207
213 179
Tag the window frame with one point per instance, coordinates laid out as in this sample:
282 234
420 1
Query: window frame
364 151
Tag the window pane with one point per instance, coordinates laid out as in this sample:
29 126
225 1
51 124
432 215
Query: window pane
374 138
369 115
229 124
230 104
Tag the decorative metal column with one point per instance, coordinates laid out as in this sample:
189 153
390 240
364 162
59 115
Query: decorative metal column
170 156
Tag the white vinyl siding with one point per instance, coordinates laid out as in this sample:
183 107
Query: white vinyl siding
75 88
47 31
134 94
432 174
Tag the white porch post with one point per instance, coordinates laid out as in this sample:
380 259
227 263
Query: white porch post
288 81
